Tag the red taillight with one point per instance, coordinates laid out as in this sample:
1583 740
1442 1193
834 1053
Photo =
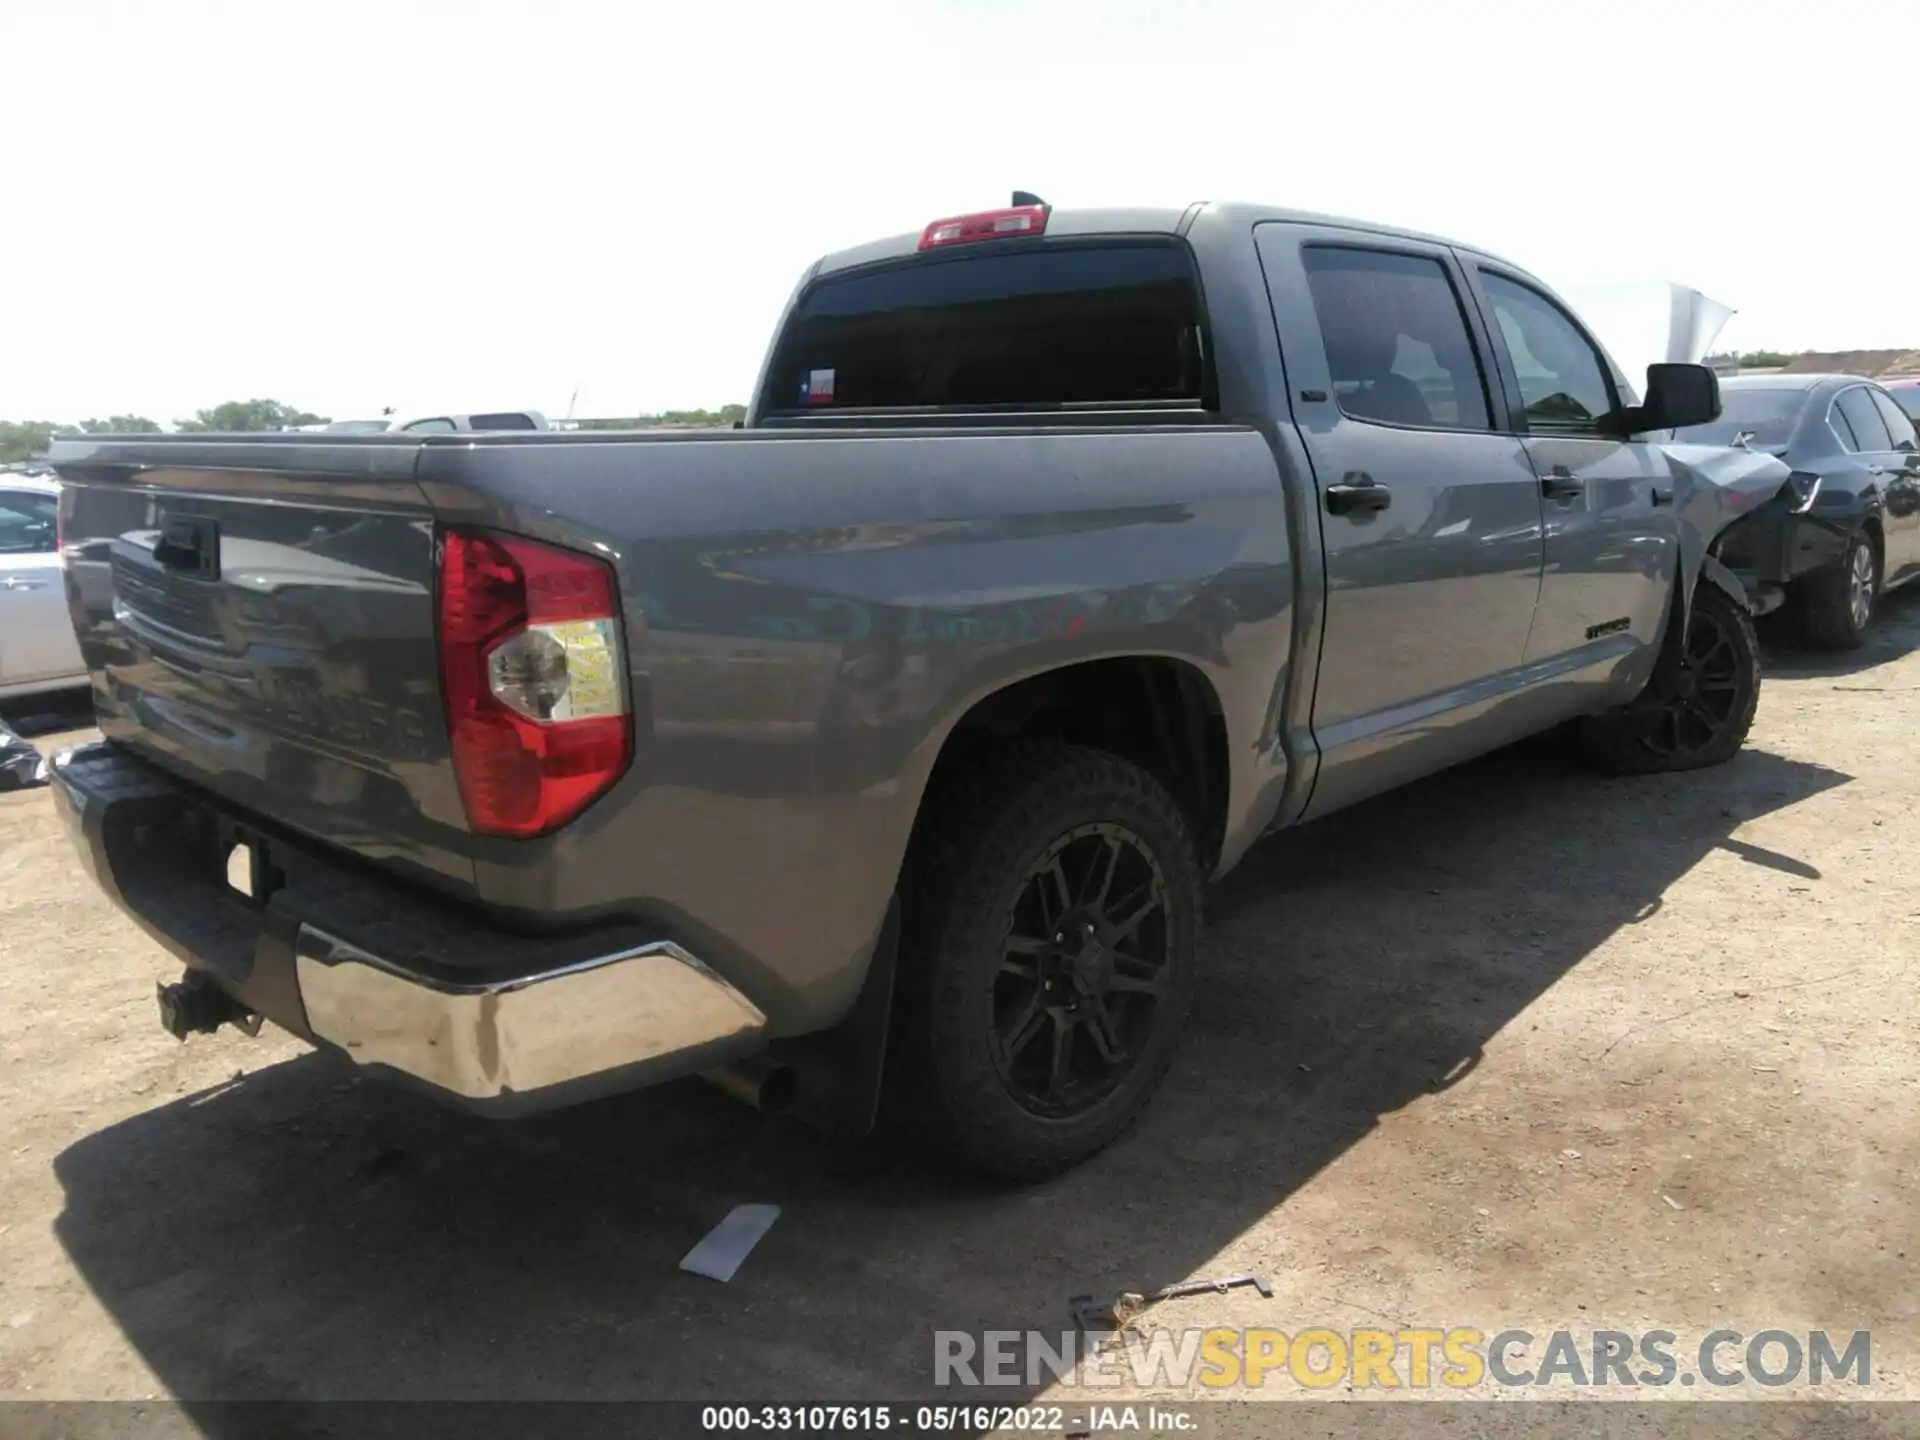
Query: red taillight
1008 224
534 676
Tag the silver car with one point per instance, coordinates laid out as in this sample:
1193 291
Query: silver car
38 652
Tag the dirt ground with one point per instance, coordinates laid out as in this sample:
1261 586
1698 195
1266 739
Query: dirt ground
1516 1048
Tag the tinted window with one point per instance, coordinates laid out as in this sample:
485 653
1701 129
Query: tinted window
1898 425
1838 424
1907 397
1765 417
27 522
507 420
1863 416
1069 325
1563 383
431 427
1397 342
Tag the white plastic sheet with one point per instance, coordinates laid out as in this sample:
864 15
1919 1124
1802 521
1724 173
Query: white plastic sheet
1642 323
720 1253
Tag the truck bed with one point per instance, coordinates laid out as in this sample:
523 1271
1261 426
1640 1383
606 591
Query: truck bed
805 611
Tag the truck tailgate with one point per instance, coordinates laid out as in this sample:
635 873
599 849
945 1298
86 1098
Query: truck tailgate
257 617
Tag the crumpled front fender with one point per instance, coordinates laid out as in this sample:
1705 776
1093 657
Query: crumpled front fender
1713 486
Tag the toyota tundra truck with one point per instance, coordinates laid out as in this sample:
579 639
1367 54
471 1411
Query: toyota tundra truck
872 759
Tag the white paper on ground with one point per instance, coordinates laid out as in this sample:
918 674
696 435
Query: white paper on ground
724 1247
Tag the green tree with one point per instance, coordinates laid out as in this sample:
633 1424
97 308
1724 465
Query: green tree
24 439
120 425
721 419
248 416
1767 359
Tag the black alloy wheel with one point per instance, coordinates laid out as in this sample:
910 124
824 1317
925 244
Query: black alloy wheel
1698 705
1083 967
1704 698
1051 915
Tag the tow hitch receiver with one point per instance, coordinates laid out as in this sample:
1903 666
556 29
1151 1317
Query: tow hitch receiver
195 1005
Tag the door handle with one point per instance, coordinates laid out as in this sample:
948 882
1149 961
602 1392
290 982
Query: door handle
1358 492
1560 483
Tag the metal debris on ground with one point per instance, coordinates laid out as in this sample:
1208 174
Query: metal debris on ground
1125 1308
20 764
724 1247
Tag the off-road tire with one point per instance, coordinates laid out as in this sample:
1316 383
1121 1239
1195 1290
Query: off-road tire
1637 741
990 820
1828 605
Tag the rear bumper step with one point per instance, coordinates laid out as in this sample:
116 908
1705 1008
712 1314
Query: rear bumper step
394 979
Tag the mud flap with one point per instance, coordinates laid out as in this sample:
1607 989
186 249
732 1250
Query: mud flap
1643 713
1714 571
839 1071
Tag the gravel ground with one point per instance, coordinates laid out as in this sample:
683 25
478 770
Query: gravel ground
1515 1048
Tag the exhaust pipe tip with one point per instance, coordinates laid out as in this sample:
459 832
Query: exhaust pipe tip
761 1082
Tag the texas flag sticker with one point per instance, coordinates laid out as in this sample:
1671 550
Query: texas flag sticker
817 388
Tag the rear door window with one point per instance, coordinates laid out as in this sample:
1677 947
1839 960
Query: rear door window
1114 325
1397 342
1898 425
1842 431
1863 418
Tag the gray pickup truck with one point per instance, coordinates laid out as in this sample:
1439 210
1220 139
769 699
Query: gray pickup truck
871 758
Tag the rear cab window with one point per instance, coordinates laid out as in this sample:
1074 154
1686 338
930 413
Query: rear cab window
1109 325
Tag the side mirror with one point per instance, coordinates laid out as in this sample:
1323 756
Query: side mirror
1678 395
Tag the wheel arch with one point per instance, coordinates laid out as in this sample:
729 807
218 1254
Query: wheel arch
1872 527
1159 712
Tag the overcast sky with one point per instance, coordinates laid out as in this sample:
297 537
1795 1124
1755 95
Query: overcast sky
489 203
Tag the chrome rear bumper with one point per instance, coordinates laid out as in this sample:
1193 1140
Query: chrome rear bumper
518 1036
499 1021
